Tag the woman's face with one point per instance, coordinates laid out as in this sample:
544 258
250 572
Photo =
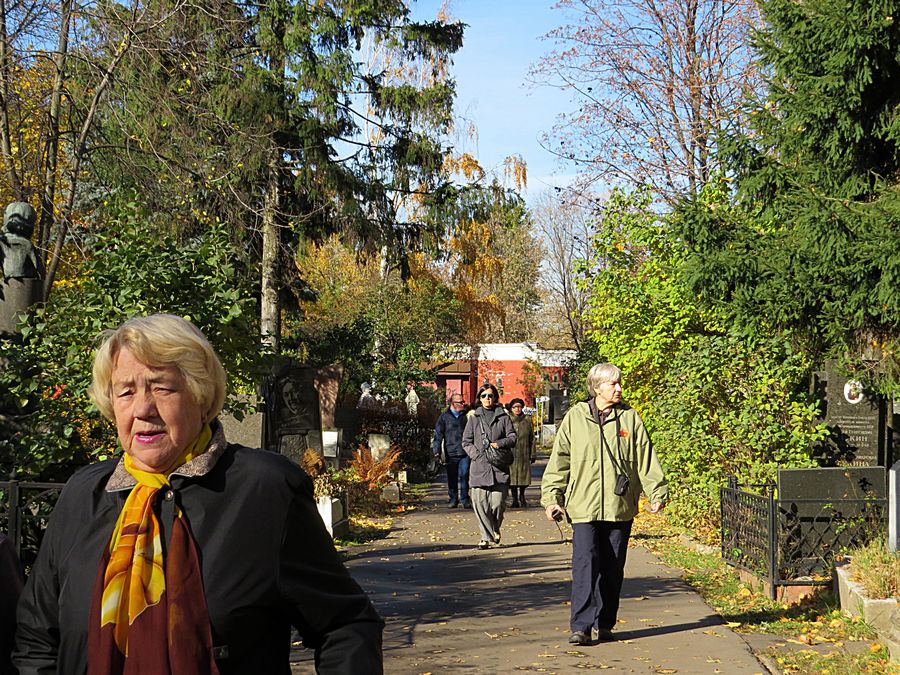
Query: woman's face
516 408
488 398
156 416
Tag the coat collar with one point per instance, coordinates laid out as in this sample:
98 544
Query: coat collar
586 408
199 466
478 411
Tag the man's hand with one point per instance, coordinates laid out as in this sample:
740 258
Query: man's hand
655 507
552 511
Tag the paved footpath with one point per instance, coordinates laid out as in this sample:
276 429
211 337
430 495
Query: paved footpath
451 608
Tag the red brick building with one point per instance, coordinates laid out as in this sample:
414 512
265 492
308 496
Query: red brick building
519 370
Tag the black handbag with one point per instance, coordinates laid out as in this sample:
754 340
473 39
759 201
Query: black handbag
500 458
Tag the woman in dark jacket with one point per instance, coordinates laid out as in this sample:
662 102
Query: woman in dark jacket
488 484
523 454
188 554
10 586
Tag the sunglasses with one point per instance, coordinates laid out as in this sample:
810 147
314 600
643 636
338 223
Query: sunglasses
487 396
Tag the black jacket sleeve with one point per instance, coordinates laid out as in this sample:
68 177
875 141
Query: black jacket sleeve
327 607
10 588
37 632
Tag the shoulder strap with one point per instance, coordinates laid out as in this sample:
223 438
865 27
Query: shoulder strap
605 445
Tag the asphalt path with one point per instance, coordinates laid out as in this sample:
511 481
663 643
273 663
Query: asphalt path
451 608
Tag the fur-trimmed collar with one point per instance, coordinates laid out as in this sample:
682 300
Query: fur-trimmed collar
199 466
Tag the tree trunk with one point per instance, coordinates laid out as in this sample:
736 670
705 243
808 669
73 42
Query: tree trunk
270 310
12 176
65 215
52 149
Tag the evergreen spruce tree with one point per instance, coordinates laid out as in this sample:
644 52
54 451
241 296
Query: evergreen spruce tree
810 245
252 114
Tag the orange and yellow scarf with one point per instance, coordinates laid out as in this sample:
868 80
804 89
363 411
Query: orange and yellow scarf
149 612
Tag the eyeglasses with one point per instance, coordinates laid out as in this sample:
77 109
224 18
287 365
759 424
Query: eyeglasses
457 402
487 396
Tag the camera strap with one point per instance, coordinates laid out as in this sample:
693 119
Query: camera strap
618 469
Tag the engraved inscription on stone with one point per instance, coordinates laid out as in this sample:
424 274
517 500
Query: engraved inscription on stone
855 419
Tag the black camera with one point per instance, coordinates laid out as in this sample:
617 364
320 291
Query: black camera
622 483
558 516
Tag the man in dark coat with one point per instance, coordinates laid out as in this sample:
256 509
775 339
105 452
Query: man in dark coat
448 433
11 581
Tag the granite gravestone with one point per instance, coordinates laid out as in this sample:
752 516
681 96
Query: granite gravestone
559 406
292 421
855 419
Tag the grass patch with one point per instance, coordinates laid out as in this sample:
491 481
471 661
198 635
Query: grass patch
877 569
811 662
811 637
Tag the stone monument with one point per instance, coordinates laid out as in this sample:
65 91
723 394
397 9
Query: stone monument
21 285
292 421
856 419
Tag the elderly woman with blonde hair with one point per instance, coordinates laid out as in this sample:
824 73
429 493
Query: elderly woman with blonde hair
188 554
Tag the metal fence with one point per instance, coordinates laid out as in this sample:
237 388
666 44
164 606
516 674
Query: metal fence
25 510
793 542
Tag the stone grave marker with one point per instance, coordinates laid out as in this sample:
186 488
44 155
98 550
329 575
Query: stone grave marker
248 431
292 421
856 419
821 511
894 508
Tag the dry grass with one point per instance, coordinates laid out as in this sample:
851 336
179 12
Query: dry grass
877 569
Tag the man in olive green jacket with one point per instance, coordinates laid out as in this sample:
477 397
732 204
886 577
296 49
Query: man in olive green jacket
601 462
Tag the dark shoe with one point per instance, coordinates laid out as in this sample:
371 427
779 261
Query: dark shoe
483 545
524 503
453 503
515 504
467 504
579 637
605 635
497 540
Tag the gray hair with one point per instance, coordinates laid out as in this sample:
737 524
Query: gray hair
602 372
161 340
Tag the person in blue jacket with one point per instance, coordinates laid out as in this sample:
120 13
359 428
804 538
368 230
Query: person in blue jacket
448 433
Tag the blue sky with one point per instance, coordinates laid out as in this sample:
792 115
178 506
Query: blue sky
502 40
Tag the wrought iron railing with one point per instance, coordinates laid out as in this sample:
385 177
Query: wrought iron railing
25 509
793 541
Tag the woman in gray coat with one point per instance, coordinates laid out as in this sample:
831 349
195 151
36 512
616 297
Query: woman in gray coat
488 484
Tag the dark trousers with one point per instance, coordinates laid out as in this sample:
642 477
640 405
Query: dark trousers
598 568
458 478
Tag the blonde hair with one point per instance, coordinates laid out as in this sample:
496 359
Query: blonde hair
158 341
600 373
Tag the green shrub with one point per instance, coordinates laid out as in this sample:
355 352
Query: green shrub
129 270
